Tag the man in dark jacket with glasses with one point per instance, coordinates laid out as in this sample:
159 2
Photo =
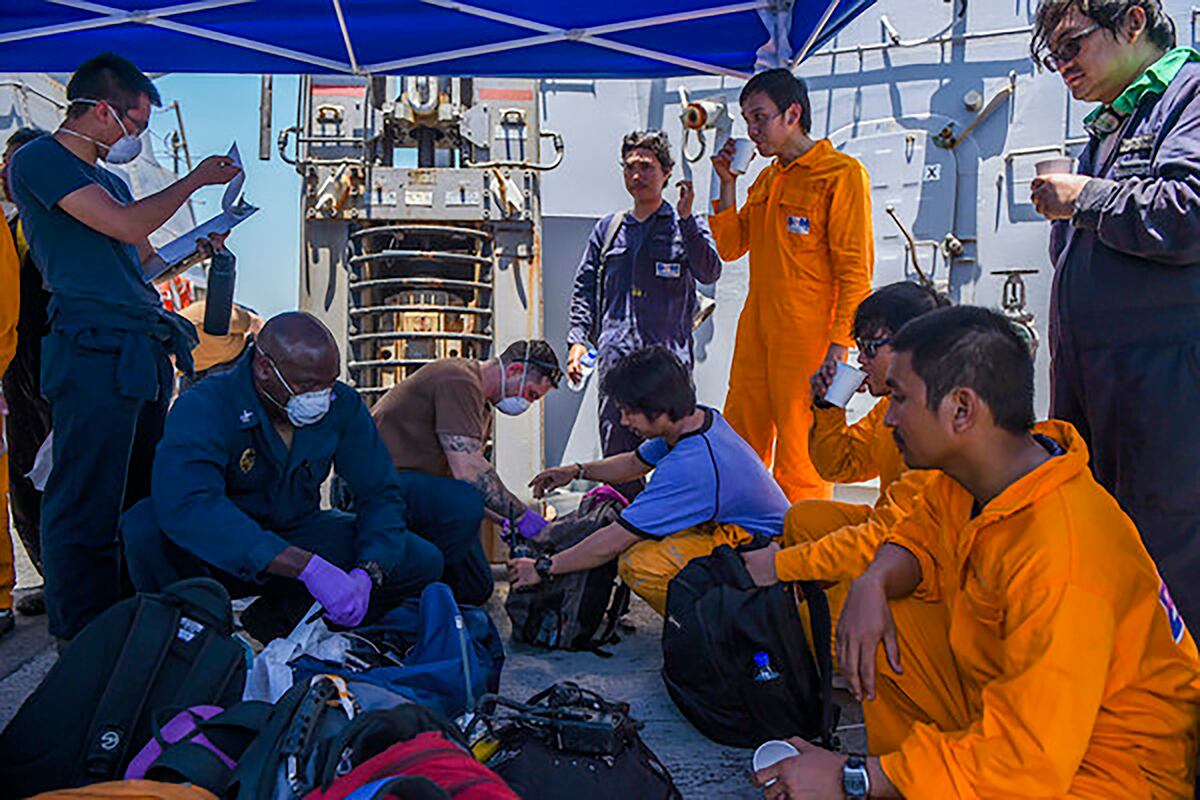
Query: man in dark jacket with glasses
1125 242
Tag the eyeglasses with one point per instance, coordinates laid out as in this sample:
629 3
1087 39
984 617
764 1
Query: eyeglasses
869 347
1067 49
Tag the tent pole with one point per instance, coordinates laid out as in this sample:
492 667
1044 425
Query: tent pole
583 35
223 38
337 8
816 34
119 17
464 52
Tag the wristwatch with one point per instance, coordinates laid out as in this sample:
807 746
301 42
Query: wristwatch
542 565
855 781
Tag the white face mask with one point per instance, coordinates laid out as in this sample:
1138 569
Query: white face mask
123 150
303 409
517 404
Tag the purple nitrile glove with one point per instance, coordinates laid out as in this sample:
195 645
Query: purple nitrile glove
606 492
530 524
343 596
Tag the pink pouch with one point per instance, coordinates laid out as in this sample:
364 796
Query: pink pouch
606 492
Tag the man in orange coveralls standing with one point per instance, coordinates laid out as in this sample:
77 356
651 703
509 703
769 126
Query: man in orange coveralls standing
807 225
827 540
1064 669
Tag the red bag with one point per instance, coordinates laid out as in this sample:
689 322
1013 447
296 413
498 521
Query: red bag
428 755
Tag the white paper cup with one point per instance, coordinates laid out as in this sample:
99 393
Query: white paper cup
844 385
741 156
771 753
1059 165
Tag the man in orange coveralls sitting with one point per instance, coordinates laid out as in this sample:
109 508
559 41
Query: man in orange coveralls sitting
826 540
807 226
1060 666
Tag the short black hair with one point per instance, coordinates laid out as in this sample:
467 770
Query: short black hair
111 78
784 89
651 381
890 307
975 348
1108 14
538 355
23 136
654 141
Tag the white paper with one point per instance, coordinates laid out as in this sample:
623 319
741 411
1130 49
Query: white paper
271 676
233 190
42 463
234 210
183 248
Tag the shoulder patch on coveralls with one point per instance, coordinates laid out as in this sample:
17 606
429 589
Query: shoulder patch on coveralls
1174 618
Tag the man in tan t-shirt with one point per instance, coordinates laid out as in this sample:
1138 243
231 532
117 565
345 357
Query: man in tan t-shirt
435 425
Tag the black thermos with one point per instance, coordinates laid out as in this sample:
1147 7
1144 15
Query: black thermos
218 304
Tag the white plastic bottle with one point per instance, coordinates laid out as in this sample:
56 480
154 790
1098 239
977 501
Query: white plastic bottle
587 365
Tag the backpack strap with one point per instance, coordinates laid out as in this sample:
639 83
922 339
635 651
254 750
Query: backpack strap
189 761
142 655
822 633
616 609
615 223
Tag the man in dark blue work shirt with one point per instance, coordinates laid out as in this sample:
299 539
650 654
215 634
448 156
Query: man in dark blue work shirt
1125 243
636 284
237 482
106 368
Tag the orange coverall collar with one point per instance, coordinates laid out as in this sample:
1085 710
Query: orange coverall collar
819 151
1029 489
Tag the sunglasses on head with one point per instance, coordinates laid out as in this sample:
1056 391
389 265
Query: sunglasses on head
1067 49
869 347
552 371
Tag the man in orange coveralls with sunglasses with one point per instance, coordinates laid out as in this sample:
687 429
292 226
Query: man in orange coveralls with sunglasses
807 225
1029 646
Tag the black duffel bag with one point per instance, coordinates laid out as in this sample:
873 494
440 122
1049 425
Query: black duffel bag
568 742
719 627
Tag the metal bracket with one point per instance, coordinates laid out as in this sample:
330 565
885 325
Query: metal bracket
948 140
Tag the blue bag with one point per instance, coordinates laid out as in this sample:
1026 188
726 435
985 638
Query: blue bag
449 656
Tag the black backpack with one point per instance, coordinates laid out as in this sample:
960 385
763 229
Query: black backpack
567 612
569 742
94 708
717 622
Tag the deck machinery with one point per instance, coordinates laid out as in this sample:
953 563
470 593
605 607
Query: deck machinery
422 227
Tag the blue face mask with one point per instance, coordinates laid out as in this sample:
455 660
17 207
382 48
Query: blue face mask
303 409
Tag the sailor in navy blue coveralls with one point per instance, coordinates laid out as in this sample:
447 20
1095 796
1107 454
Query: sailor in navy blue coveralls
106 372
228 495
649 297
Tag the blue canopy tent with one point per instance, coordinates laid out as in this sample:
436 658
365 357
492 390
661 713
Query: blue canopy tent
513 38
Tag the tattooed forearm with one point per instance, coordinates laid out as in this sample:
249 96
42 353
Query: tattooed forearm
467 453
495 496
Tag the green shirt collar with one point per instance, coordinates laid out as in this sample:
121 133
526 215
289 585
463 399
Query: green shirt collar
1154 80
